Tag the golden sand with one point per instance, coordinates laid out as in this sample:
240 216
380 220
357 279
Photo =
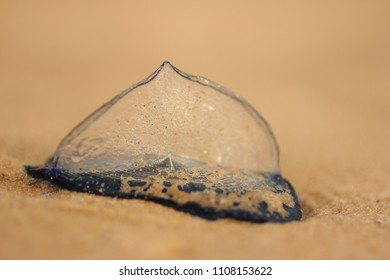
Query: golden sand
319 74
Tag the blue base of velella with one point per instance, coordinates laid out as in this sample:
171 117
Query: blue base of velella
109 184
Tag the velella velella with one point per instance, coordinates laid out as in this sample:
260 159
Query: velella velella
182 141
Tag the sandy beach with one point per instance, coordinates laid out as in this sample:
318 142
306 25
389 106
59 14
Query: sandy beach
318 73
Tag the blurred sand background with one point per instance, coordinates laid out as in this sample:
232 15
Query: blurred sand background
318 71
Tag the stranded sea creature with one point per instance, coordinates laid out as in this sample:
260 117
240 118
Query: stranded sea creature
182 141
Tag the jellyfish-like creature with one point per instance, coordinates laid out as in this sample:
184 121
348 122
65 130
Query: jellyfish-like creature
181 141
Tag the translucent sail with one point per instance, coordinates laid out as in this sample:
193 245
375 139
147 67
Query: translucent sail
171 114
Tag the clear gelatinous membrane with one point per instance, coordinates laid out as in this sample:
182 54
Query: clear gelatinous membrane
171 113
182 141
